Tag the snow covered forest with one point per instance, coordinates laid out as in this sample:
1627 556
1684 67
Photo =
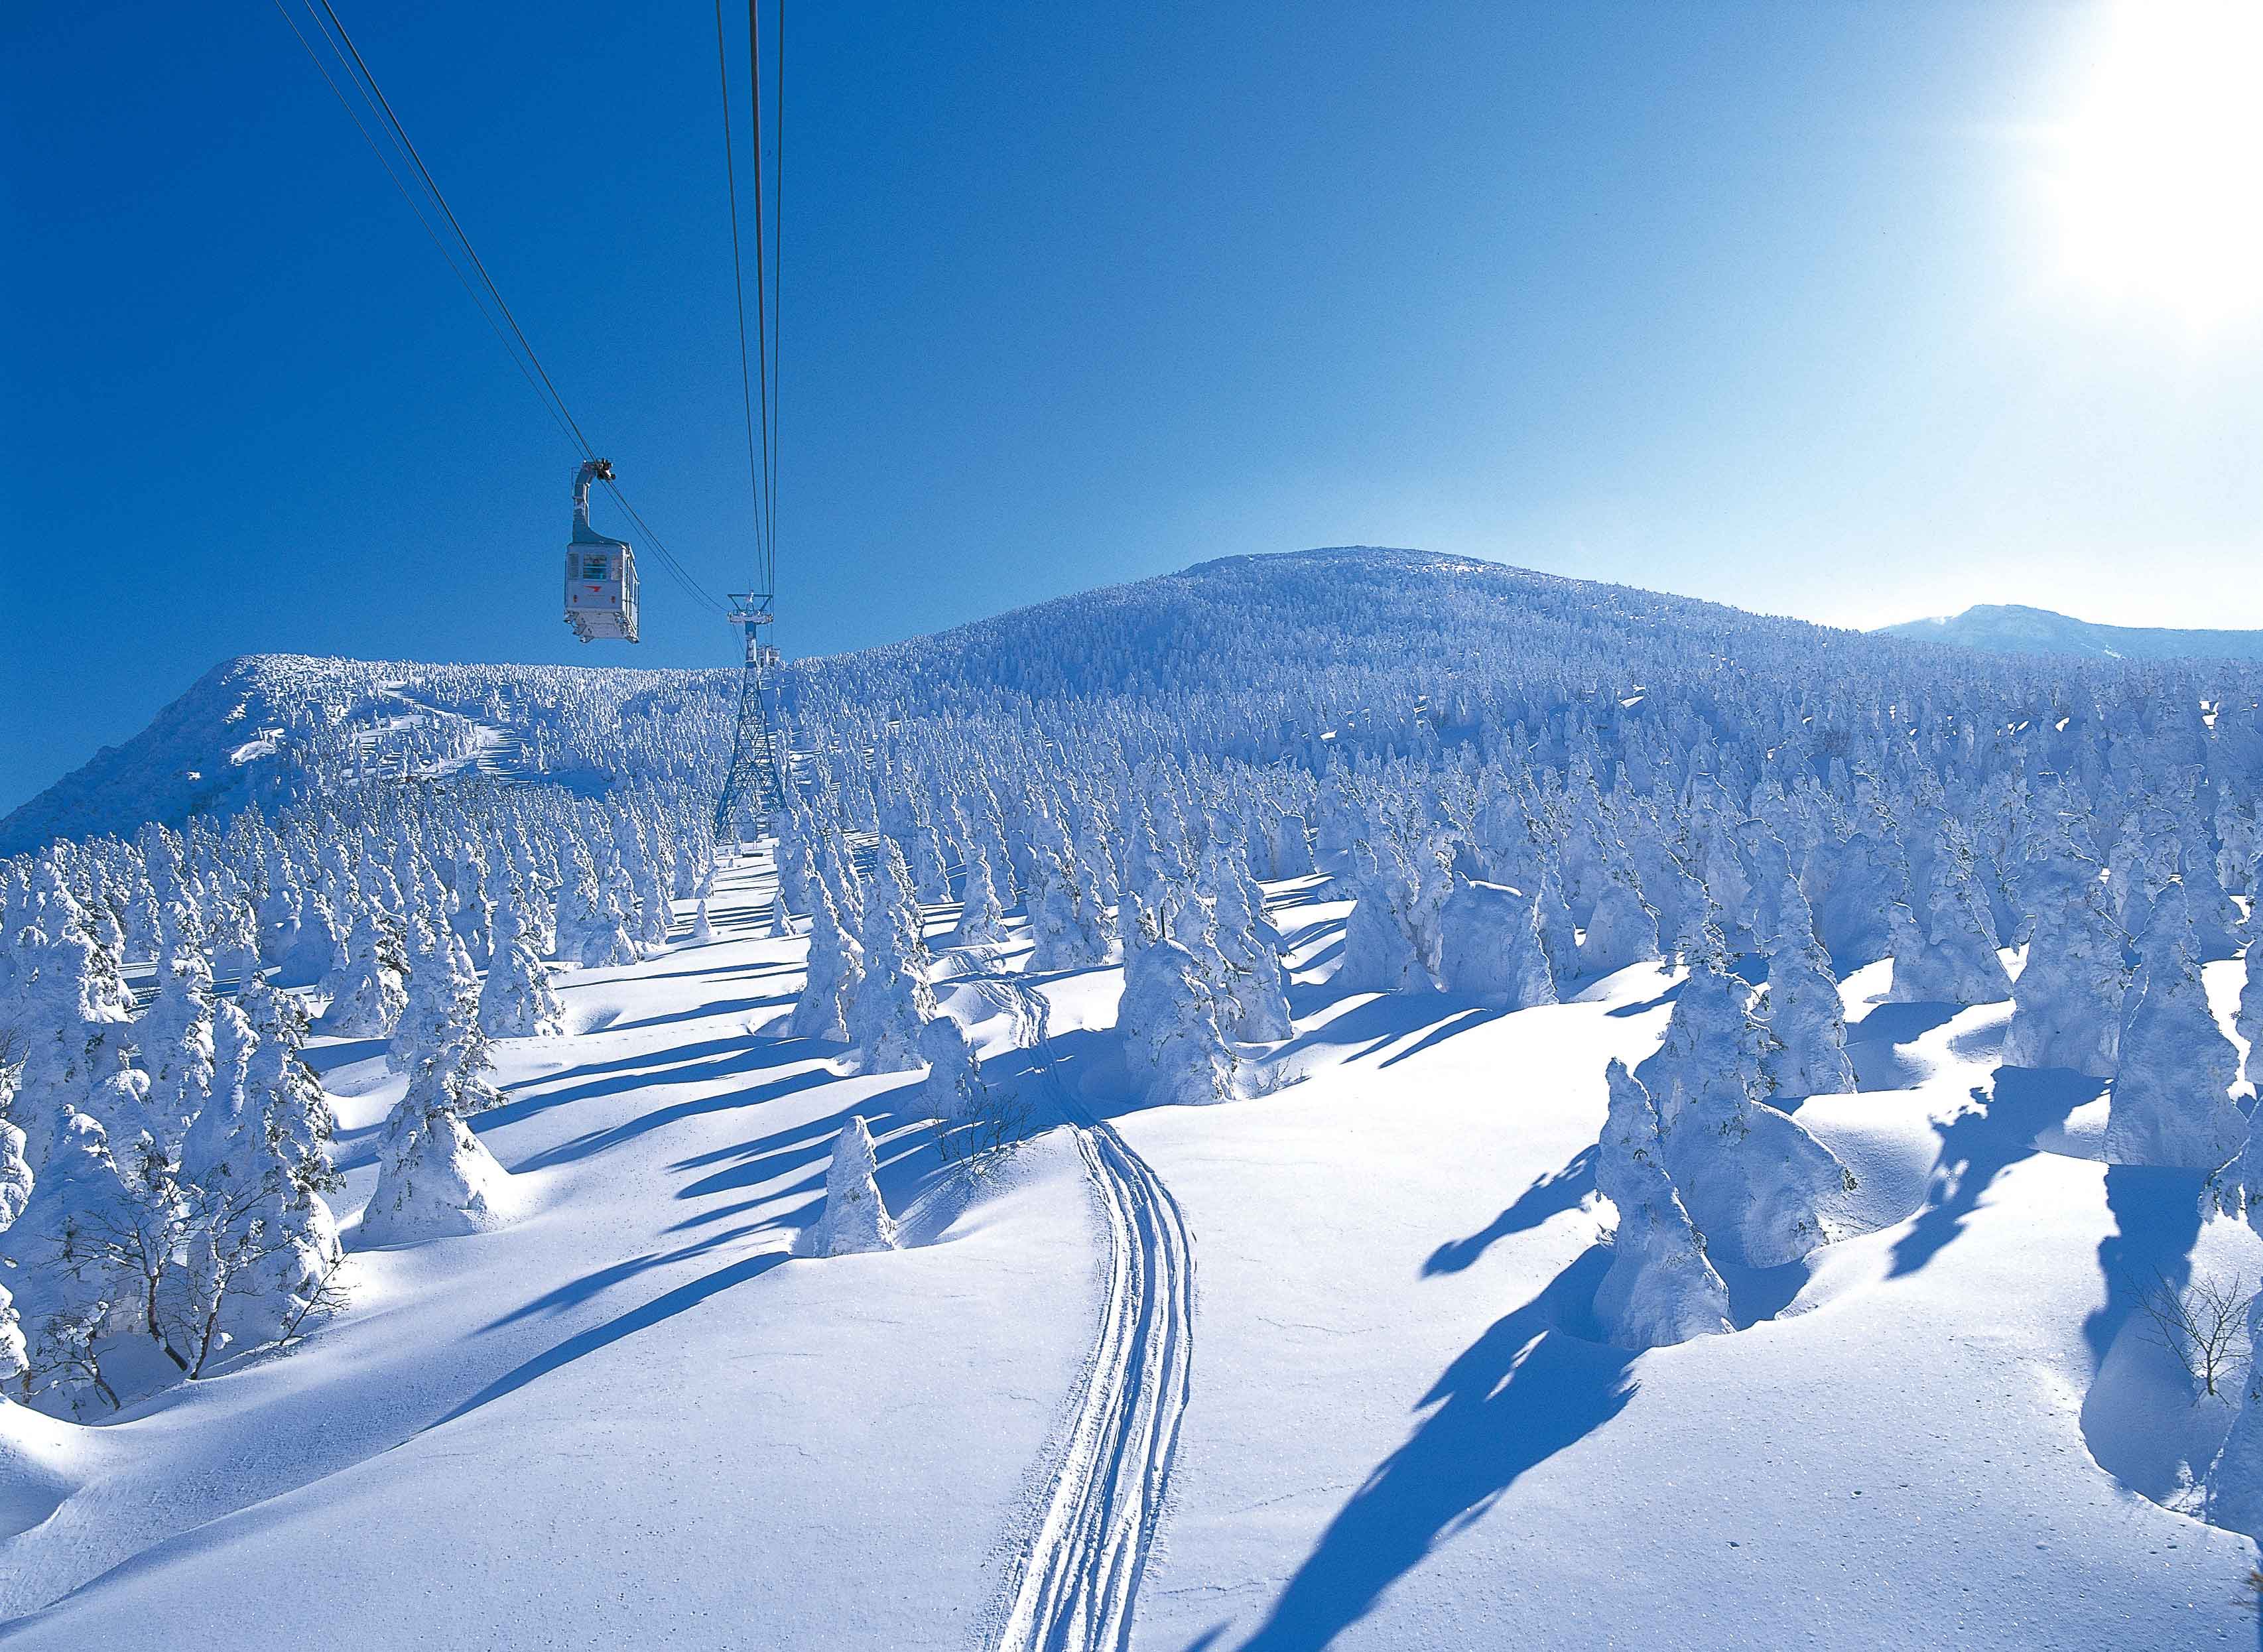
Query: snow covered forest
1311 1100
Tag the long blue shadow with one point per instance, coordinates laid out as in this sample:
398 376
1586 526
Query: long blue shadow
663 1307
1978 1145
1520 1394
1557 1191
783 1152
1874 1043
2157 1216
1459 1023
603 1279
598 1141
701 1012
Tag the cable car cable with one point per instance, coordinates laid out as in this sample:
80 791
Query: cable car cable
422 172
738 278
762 306
364 82
454 268
777 263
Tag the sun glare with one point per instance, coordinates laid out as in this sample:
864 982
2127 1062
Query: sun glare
2159 173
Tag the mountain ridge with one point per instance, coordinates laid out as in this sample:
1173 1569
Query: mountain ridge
2012 628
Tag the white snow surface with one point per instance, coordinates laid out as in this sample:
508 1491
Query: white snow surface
630 1418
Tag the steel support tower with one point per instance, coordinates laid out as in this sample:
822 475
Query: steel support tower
756 780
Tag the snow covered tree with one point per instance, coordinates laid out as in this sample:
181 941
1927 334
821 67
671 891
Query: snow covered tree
2174 1069
593 928
434 1178
367 999
834 971
2066 1004
1761 1189
2250 1020
1948 956
440 974
855 1218
1489 946
1660 1289
892 1000
1388 938
516 999
1173 1047
1622 928
954 1088
1806 1020
1069 929
981 920
1251 990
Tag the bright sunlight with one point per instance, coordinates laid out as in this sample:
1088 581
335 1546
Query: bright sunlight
2159 179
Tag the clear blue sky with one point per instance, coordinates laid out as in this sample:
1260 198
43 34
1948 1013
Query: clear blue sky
1784 304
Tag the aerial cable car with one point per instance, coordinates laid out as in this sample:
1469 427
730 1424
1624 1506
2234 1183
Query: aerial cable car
601 581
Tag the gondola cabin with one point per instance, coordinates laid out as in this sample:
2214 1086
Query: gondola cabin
601 580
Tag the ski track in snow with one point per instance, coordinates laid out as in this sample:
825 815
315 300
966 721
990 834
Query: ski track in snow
1078 1585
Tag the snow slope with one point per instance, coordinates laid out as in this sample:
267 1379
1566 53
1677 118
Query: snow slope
630 1419
1994 628
262 730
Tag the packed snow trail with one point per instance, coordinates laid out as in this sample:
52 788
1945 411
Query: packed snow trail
1080 1581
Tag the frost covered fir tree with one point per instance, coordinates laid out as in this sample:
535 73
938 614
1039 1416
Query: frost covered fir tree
1948 956
15 1169
434 1177
835 967
367 998
284 1089
1622 929
2233 1489
1806 1019
440 973
1761 1189
1173 1047
981 920
954 1088
1251 991
2172 1101
175 1035
1391 939
2250 1020
593 930
1489 946
228 1111
14 1358
516 999
1069 927
2066 1004
1660 1289
892 999
855 1218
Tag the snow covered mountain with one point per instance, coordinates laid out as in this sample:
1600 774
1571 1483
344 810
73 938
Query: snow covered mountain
264 730
1352 1099
2011 630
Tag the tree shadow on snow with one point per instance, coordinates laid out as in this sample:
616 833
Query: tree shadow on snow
2157 1217
1551 1195
1523 1391
699 1012
1627 1012
782 1151
1978 1144
1460 1021
1872 1042
662 1307
598 1141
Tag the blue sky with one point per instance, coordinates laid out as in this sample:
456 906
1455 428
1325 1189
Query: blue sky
1777 304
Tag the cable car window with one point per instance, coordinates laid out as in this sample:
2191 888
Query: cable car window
593 568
